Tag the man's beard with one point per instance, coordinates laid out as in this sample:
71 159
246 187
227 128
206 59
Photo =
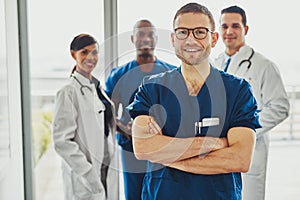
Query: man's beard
145 55
194 61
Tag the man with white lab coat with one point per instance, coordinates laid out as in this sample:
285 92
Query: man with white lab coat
264 77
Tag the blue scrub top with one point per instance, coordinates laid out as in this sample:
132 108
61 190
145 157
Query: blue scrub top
122 84
166 98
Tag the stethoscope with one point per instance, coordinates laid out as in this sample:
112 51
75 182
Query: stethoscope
81 85
247 60
87 87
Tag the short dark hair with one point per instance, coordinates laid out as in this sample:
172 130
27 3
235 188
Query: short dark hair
196 8
236 9
143 21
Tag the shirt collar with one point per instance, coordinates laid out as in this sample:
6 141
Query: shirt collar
226 57
83 80
242 50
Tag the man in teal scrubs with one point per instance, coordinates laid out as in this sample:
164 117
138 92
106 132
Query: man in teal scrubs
196 124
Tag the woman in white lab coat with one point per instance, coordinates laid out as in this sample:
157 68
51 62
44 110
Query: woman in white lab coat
84 129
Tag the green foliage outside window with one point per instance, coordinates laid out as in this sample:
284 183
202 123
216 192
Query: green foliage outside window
41 128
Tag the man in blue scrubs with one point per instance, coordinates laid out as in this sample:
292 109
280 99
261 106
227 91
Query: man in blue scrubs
121 86
196 124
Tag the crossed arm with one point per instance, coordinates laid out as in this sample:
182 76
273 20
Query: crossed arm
200 155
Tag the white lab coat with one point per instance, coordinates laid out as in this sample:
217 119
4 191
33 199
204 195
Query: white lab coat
273 103
78 134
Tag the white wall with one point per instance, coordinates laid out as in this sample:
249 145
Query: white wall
273 27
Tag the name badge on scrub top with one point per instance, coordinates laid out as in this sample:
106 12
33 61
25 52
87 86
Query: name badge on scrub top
206 122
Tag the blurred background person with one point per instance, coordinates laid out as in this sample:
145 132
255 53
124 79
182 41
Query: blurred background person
121 86
264 77
83 129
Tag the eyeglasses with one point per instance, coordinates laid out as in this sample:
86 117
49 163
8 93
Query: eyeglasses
198 32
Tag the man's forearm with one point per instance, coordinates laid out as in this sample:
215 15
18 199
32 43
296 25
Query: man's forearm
156 147
221 161
235 158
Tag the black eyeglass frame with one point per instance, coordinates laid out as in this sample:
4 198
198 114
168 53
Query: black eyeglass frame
193 31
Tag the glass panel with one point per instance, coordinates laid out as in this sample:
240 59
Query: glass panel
52 26
4 123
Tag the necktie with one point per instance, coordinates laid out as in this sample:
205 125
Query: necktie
227 64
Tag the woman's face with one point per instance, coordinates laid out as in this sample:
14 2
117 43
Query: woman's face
86 59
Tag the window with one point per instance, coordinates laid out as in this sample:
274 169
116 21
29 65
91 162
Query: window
4 123
52 26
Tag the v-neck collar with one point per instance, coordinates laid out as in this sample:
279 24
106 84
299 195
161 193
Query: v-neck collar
210 76
154 69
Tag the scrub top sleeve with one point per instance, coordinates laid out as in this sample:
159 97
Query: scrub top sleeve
64 128
111 82
245 113
141 103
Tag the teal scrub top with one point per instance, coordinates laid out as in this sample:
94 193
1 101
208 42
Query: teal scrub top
166 98
122 84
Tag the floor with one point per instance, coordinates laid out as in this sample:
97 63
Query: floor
283 178
283 175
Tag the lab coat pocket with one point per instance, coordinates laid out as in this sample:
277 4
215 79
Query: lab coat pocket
82 190
98 106
252 80
92 103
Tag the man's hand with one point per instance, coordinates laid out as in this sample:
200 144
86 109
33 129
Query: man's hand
124 129
154 127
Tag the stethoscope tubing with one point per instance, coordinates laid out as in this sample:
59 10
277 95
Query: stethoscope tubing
247 60
81 85
244 61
